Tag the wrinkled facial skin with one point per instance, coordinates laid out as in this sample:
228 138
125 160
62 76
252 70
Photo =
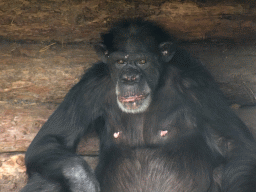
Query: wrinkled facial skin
136 76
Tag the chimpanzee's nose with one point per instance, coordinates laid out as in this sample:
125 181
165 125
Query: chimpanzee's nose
130 76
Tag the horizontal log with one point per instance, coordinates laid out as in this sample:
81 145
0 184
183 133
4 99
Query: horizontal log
29 75
19 125
12 172
68 21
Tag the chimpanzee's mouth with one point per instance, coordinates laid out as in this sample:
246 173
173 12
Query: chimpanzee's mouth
132 102
131 99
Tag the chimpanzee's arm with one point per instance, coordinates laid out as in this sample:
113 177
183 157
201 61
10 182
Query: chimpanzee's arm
52 152
227 136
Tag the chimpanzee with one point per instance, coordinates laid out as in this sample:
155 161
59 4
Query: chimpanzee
163 124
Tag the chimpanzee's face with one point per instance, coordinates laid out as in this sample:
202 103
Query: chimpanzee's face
136 76
135 70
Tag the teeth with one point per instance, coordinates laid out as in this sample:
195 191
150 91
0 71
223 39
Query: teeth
131 105
131 99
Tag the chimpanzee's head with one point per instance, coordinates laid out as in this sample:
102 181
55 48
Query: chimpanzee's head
136 52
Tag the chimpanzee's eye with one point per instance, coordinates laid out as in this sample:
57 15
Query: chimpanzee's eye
142 61
120 61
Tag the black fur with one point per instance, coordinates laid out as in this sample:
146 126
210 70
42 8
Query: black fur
163 123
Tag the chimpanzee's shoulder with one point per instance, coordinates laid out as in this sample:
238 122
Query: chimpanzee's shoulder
97 70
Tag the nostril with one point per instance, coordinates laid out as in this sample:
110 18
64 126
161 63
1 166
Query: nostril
125 77
131 77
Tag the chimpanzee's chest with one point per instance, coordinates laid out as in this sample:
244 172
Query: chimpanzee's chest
139 137
152 169
147 129
153 161
145 153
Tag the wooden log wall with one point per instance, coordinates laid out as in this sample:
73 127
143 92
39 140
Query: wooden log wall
33 83
38 67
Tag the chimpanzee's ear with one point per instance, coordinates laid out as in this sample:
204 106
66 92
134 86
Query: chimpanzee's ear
102 52
167 50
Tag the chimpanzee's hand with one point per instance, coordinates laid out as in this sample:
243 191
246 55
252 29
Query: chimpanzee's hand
78 177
